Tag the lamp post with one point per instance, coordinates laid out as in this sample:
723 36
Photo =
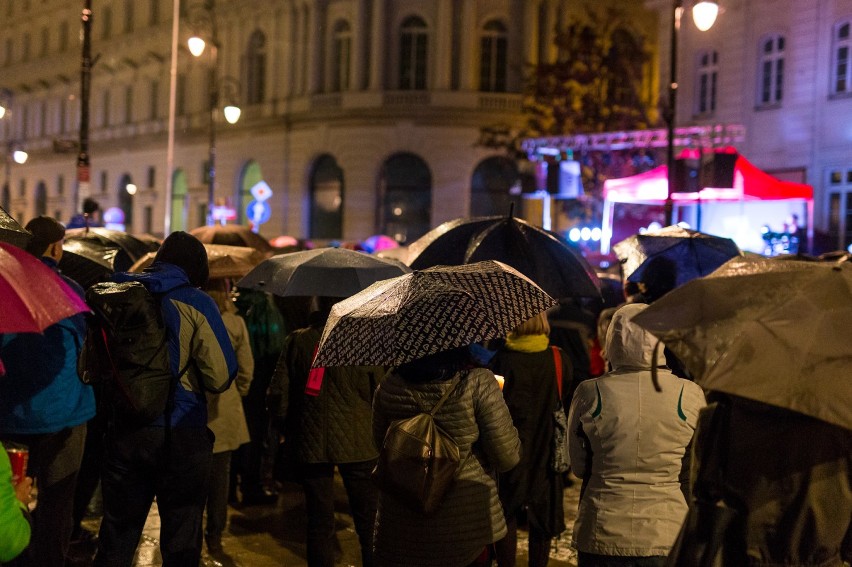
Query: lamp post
704 15
197 47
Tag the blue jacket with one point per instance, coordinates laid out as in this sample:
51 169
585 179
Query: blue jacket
196 335
41 392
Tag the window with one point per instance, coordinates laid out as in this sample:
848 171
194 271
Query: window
42 118
60 185
152 176
492 57
128 104
326 199
342 54
840 207
154 100
491 187
128 16
708 70
413 44
406 198
7 58
22 192
256 68
25 55
106 20
63 36
105 103
103 181
154 12
842 71
180 95
45 43
771 70
40 199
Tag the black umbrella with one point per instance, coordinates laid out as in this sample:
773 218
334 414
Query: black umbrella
692 253
89 261
330 272
558 267
133 247
12 232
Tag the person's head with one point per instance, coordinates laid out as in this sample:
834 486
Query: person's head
220 290
188 253
90 206
537 325
628 344
48 234
439 366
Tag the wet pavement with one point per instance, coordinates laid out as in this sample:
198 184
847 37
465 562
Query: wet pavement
274 535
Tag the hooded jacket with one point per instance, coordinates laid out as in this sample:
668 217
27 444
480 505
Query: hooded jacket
196 334
628 442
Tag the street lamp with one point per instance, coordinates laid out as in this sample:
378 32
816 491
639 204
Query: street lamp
704 15
197 46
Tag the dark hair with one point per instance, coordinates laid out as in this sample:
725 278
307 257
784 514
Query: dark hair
439 366
90 205
186 252
659 277
46 230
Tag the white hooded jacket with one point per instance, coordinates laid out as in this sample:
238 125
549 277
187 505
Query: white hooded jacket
628 441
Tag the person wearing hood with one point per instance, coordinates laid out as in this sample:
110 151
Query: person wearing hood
630 444
170 461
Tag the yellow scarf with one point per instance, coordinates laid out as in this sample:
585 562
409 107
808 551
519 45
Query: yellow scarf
527 343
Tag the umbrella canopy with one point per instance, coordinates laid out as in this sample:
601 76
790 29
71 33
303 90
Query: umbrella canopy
32 296
553 264
134 247
224 261
694 253
775 332
424 312
12 232
330 272
232 235
88 260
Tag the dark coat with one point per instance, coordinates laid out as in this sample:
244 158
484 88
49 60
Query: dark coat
531 395
470 516
333 427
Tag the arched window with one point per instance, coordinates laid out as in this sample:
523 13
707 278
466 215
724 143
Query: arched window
493 57
841 75
255 71
771 70
40 198
251 176
413 52
341 56
326 199
180 189
491 185
405 189
706 79
126 190
6 197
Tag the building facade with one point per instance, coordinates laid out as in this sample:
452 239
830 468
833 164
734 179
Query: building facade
362 116
783 70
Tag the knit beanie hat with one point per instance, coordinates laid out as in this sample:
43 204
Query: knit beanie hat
46 230
187 252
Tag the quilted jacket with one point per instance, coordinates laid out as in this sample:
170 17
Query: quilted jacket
470 516
333 427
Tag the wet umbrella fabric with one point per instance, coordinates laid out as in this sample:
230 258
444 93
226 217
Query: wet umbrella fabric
429 311
694 253
12 232
550 262
32 296
775 332
330 272
134 247
224 261
88 261
232 235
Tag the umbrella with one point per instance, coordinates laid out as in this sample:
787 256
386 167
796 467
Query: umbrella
553 264
224 261
32 296
331 272
429 311
89 261
133 247
775 332
232 235
12 232
379 242
694 253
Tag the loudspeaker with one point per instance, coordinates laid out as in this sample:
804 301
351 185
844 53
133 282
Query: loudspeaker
719 171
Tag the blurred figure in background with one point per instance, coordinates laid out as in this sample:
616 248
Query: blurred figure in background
15 528
528 365
225 416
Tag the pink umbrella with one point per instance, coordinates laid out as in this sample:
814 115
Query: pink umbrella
32 296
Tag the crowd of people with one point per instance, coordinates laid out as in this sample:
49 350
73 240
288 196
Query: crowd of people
246 408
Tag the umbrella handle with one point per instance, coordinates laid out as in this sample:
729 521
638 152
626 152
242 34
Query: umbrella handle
654 377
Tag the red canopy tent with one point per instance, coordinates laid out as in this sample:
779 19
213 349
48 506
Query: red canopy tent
750 185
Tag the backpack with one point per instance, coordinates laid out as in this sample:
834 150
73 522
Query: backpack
127 350
418 461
